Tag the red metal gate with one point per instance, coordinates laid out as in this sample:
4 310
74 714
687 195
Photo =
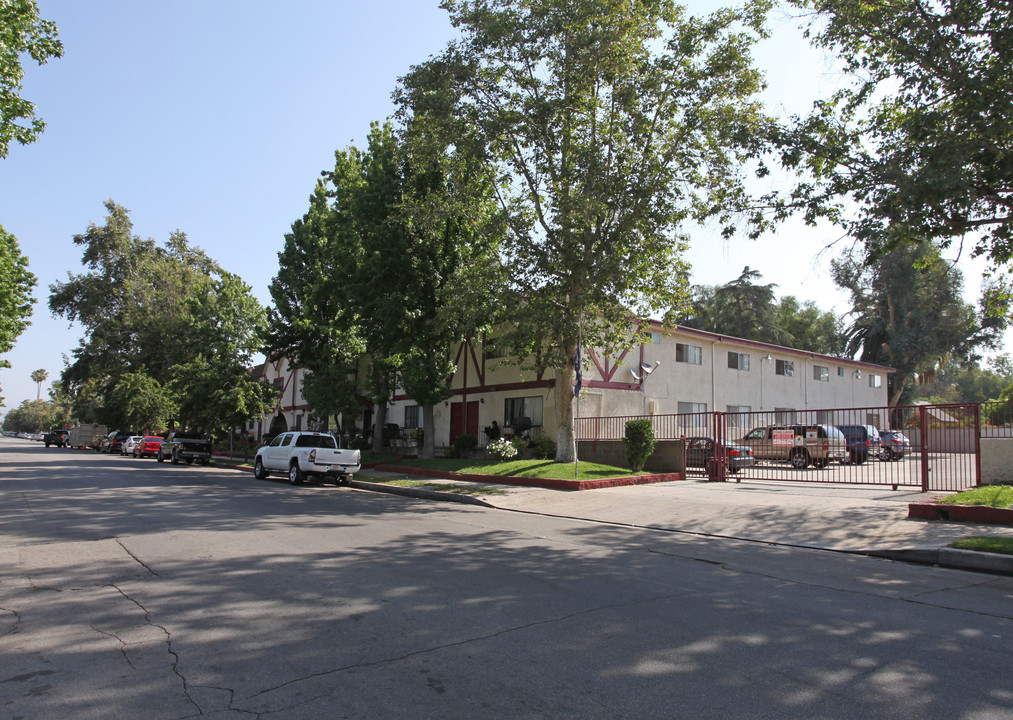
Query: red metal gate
929 447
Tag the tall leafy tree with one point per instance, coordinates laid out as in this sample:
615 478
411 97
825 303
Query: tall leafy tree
919 144
16 284
22 32
610 123
747 309
909 313
150 309
382 220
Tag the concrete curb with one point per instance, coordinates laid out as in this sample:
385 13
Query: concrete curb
416 492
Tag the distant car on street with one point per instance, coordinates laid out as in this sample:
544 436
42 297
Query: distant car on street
148 446
129 444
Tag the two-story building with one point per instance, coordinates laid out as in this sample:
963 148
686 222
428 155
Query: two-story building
680 371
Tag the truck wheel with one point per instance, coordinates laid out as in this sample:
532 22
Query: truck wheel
189 461
258 470
799 459
205 461
161 458
175 458
295 475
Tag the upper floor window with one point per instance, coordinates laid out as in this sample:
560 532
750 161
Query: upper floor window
692 354
875 381
738 361
821 374
784 367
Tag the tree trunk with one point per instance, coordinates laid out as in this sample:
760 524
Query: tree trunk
564 410
428 439
380 418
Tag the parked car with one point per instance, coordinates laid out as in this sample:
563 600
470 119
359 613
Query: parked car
56 436
148 446
863 442
800 445
306 454
187 446
895 445
114 441
129 444
700 449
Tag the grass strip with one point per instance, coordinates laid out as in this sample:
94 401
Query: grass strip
997 496
1000 545
520 468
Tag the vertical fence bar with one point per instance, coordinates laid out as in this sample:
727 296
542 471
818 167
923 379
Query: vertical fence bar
923 428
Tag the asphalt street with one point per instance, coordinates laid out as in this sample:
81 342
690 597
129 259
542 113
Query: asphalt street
130 589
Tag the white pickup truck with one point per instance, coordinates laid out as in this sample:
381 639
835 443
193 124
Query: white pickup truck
306 454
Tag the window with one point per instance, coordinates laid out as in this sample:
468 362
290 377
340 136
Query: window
738 361
655 338
821 374
875 381
784 367
278 383
840 371
739 409
412 416
493 353
784 416
692 354
686 408
529 407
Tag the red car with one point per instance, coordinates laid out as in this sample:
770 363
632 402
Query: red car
148 446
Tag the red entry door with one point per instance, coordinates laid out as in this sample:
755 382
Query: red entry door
463 419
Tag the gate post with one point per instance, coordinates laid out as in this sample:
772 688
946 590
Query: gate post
923 428
977 444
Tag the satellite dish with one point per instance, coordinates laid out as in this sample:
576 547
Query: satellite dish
648 369
634 374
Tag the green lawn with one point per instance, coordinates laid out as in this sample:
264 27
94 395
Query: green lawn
521 468
1001 545
997 496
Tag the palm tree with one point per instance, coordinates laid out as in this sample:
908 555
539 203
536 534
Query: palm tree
39 376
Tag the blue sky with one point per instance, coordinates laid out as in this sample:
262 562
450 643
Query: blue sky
215 117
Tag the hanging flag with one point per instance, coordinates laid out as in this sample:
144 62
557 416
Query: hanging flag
577 370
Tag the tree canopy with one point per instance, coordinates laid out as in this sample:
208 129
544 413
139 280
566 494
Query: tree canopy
908 312
610 123
746 309
16 284
918 147
22 32
383 219
158 317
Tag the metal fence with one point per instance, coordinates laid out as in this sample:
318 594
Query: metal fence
931 447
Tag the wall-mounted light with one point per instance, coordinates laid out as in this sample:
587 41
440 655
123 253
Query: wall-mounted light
482 400
858 374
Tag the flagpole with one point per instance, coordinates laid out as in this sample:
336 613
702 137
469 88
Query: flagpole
576 391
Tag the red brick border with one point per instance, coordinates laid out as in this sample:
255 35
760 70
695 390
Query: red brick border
960 513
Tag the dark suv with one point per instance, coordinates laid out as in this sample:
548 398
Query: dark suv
113 444
863 442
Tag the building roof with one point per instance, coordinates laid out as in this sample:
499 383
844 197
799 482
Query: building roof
766 347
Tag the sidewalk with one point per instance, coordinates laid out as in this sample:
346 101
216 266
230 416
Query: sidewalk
844 518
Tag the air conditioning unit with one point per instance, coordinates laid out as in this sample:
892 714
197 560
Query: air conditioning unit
652 407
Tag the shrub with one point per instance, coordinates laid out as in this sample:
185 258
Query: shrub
502 449
639 442
464 444
520 442
545 448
